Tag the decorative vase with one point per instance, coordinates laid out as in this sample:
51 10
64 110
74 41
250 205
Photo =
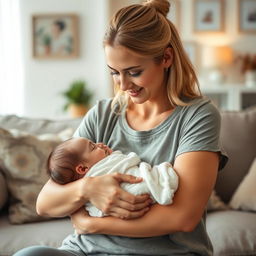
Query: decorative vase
250 78
77 110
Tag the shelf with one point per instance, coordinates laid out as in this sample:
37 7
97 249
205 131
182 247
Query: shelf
231 97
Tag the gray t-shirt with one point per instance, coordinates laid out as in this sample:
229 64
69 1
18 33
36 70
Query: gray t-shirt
192 128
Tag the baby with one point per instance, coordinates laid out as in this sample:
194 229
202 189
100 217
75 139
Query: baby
77 157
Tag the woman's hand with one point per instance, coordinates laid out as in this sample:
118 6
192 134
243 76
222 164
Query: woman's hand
81 221
105 193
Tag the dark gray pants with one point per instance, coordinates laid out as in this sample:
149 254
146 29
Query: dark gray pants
46 251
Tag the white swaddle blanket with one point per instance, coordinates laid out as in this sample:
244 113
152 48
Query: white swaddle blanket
160 181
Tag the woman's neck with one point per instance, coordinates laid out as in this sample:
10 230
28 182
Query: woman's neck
146 116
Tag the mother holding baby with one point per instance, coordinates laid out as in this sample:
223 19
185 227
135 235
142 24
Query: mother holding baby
157 112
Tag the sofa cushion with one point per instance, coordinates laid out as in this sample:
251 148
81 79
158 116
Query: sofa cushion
244 197
23 160
238 138
49 233
36 125
232 232
3 191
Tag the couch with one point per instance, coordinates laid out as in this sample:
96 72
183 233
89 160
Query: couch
25 144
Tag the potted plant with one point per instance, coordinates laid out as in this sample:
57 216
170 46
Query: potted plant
248 68
78 98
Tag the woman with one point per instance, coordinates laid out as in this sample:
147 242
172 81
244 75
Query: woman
158 113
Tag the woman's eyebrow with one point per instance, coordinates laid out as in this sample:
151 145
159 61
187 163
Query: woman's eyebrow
126 69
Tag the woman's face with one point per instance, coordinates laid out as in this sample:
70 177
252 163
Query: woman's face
140 77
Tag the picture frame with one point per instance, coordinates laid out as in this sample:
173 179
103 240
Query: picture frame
208 15
55 36
174 13
191 49
247 16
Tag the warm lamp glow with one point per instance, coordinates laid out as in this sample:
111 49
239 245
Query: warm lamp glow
216 60
216 56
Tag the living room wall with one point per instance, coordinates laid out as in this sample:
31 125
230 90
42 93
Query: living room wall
45 79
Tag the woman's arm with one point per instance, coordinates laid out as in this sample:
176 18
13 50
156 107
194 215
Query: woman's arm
103 191
197 173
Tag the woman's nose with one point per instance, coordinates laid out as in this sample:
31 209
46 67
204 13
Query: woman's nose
124 82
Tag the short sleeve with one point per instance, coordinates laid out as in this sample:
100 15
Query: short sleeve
201 131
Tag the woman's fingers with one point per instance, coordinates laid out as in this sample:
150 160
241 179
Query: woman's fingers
126 178
134 207
124 214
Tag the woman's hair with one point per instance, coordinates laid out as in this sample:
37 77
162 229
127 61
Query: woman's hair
61 163
145 30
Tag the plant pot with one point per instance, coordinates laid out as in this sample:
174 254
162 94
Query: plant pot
77 110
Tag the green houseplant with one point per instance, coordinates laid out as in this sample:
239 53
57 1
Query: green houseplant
78 98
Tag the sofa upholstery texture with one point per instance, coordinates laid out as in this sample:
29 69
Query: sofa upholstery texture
232 231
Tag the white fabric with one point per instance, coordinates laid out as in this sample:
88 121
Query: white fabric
244 197
160 181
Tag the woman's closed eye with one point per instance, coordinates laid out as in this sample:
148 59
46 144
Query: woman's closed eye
134 73
130 73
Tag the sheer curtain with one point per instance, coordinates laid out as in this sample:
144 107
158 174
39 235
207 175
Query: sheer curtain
11 69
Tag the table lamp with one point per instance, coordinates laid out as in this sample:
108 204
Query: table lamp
216 59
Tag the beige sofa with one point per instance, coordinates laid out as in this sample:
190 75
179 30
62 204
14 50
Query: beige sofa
231 226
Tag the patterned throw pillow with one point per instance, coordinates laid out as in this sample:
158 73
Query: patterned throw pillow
23 160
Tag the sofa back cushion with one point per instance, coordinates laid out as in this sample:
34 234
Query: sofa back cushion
37 126
238 138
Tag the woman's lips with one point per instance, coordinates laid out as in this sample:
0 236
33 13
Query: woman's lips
135 93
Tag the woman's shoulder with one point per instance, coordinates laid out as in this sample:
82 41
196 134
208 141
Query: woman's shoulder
201 107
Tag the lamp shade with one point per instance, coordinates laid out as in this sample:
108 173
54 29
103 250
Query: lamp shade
216 56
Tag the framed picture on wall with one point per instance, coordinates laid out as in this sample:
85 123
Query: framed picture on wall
174 13
247 16
208 15
55 36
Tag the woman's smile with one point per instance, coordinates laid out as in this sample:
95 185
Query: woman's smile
135 92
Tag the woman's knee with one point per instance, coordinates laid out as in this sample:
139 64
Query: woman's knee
41 251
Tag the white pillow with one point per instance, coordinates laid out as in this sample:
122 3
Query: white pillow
244 197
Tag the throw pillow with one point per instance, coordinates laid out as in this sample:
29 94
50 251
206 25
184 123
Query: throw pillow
244 197
215 203
23 159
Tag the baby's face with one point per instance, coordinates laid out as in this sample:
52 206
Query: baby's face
92 152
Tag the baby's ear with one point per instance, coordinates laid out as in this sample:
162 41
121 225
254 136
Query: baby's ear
82 169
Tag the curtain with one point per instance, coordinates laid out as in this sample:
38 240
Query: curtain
11 68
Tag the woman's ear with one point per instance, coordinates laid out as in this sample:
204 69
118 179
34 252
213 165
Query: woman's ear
82 169
168 57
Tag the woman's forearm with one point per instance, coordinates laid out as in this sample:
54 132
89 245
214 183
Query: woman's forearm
56 200
147 226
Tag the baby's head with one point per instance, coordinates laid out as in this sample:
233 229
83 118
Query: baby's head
72 159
